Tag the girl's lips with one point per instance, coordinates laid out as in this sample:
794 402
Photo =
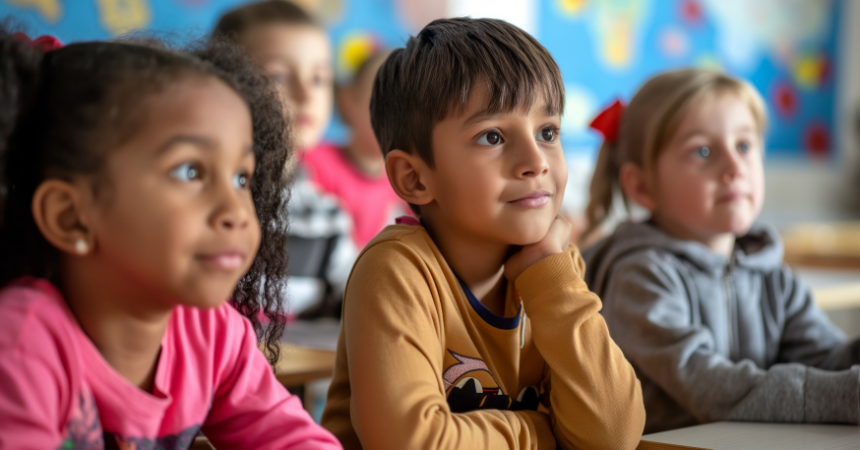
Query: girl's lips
227 261
731 197
534 200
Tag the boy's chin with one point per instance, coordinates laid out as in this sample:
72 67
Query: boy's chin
528 236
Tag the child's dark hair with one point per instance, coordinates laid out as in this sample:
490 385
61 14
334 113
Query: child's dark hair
261 13
422 84
62 111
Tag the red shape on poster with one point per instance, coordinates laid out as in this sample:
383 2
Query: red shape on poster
785 99
816 139
691 11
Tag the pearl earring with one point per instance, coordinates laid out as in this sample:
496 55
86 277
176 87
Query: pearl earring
81 247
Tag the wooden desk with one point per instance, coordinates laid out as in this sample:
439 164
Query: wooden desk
755 436
832 288
299 365
832 245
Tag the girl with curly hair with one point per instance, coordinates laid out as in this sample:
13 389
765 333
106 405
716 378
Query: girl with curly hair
141 188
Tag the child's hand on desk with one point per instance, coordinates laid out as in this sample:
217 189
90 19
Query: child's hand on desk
557 240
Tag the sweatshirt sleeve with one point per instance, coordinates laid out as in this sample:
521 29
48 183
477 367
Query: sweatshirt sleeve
393 330
596 399
809 337
649 313
251 409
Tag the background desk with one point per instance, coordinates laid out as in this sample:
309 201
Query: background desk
301 365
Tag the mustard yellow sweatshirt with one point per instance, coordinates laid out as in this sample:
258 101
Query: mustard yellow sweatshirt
420 365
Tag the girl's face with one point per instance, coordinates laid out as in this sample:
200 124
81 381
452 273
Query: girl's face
176 219
709 178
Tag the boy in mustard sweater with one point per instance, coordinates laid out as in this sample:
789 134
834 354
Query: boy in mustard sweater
473 328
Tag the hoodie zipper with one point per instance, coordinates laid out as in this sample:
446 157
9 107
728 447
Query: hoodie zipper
727 285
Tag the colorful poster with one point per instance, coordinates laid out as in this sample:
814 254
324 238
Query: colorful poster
605 48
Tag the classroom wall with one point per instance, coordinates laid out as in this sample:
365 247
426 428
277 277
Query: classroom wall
819 190
802 55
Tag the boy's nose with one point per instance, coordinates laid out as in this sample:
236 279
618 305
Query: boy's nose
299 91
531 161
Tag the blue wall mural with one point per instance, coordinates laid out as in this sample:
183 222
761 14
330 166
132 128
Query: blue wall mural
605 48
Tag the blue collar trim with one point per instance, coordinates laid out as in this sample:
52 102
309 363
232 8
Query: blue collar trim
502 323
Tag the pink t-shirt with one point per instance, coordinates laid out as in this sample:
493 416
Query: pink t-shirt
370 201
56 390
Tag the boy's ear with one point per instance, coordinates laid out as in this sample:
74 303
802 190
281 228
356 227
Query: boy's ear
56 208
407 174
637 186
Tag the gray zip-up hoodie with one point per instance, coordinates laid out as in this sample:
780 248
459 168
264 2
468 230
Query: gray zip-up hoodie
718 339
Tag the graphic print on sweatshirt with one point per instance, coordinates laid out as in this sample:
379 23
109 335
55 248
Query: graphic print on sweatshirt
469 386
84 431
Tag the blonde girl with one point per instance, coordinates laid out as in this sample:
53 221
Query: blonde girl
697 296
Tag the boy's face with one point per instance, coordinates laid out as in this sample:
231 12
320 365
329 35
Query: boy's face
299 60
710 178
498 178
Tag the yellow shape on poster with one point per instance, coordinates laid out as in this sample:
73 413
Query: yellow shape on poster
122 16
709 62
51 10
572 7
354 50
808 71
618 47
616 24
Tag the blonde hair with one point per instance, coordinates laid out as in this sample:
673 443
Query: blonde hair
649 122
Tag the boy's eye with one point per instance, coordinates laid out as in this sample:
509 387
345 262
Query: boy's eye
490 138
241 180
319 80
743 146
703 152
186 172
547 134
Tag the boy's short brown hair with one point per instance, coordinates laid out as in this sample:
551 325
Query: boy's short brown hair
420 85
266 12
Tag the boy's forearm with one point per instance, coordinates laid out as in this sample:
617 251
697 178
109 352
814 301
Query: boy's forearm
596 398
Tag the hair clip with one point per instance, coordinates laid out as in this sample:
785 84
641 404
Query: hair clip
45 42
608 121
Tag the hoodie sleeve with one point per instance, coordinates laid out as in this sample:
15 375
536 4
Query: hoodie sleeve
809 337
650 315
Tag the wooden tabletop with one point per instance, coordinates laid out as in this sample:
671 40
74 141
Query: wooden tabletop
828 245
299 365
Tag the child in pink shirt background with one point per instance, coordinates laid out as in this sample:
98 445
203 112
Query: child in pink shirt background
142 188
355 174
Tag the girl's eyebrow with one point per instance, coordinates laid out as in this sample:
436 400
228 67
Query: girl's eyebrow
197 141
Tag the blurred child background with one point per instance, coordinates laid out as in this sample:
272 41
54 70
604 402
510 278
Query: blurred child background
355 174
142 188
295 52
697 296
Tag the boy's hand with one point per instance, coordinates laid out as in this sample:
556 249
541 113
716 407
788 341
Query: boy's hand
556 241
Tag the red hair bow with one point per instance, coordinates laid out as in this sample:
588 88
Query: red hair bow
44 42
608 121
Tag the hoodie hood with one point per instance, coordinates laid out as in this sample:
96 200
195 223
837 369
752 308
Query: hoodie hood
758 250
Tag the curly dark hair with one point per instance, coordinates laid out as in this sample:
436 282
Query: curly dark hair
61 112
